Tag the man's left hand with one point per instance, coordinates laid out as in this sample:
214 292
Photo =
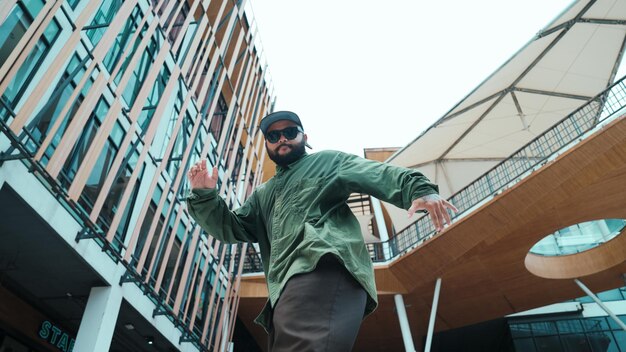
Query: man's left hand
437 207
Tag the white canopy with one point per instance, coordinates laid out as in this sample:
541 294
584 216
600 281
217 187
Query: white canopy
573 59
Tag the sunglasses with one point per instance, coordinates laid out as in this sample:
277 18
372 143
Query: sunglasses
289 133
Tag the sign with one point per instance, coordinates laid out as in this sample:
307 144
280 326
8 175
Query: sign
56 337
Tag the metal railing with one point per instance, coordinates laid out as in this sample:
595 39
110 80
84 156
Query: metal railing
566 132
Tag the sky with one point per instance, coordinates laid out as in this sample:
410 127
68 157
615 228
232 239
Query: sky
373 74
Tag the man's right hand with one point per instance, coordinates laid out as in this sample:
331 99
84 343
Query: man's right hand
199 177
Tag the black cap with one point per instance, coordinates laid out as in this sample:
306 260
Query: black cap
268 120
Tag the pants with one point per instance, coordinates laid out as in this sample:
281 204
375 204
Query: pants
318 311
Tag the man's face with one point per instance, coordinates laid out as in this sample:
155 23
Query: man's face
284 151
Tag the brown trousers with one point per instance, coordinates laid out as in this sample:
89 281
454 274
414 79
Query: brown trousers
318 311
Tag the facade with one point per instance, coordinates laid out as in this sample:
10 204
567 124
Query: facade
104 106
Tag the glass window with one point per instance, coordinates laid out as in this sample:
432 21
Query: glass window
520 330
136 81
123 39
614 325
145 225
54 143
595 324
195 272
77 155
153 100
178 23
101 169
73 3
140 37
173 258
31 64
40 125
219 116
180 145
575 343
122 228
569 326
189 35
211 93
603 342
544 328
102 19
183 258
548 344
611 295
161 250
620 338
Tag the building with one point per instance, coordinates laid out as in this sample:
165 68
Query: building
104 105
535 159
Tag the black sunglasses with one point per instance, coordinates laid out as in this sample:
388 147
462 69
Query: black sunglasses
289 133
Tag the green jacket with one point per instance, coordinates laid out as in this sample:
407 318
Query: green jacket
301 214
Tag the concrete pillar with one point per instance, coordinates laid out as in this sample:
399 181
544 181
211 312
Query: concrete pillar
96 328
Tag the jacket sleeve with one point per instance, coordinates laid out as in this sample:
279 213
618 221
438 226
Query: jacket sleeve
393 184
212 214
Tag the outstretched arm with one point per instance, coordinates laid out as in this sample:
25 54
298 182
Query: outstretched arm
211 212
405 188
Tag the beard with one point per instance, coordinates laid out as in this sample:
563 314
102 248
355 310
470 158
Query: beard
295 152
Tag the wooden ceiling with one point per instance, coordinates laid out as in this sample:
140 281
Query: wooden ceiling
481 257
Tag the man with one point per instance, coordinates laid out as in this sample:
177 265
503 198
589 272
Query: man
319 273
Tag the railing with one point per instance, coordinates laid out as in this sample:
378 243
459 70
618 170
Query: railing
566 132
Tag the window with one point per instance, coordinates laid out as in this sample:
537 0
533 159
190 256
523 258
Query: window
147 222
16 24
54 143
77 155
145 117
102 19
123 39
219 116
31 64
178 23
180 145
141 71
40 125
101 169
122 70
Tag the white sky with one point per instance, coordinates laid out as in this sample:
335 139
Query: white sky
365 74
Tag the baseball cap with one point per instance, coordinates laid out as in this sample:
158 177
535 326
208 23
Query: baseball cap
268 120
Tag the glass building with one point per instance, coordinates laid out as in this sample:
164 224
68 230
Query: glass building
104 105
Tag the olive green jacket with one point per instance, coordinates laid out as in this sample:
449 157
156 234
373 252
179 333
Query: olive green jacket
301 214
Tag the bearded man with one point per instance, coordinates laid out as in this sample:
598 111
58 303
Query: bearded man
318 270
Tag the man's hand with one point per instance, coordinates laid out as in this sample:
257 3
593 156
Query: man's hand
436 207
199 176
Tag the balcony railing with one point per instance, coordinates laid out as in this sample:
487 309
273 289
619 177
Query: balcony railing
567 132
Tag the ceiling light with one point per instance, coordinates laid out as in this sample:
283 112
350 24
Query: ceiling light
150 340
129 326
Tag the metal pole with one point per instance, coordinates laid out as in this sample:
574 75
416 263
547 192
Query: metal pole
382 227
404 323
599 302
433 315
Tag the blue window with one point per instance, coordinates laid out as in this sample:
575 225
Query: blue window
31 64
123 39
78 153
39 127
102 19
